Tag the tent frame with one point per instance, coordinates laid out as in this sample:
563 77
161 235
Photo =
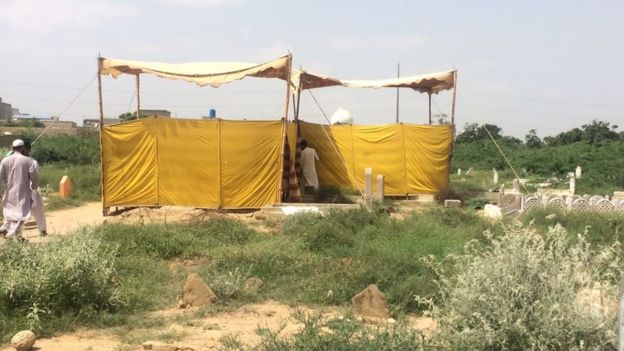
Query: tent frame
100 64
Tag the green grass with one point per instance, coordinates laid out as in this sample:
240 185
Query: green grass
309 260
602 228
85 184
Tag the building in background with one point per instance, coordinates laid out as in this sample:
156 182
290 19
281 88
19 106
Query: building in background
6 111
94 123
155 113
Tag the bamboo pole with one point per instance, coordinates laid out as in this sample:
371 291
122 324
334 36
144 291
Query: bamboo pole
448 175
284 126
138 95
453 103
397 93
101 129
429 108
288 86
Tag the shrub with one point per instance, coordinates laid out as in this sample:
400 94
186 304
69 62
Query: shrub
529 292
341 334
70 275
68 149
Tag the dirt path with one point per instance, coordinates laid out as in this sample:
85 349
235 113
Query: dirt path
68 220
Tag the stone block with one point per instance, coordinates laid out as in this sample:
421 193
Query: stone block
452 203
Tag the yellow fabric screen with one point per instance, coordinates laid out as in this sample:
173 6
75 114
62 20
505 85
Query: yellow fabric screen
250 163
198 163
129 164
413 158
188 162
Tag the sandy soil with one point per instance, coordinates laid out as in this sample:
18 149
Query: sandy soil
201 330
66 221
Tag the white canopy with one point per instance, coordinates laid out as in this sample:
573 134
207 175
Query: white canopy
201 73
427 83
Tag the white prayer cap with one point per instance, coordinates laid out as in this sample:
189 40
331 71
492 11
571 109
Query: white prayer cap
18 143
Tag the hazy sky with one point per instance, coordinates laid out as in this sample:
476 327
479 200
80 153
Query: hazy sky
547 65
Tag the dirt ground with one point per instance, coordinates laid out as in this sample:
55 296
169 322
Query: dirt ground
196 328
200 330
66 221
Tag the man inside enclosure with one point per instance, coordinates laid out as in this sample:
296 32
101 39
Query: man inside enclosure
308 167
19 176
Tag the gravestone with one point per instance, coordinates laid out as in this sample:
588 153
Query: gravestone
368 187
572 185
379 195
516 185
469 171
494 176
368 182
578 172
459 171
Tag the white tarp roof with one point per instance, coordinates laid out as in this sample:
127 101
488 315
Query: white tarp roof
202 73
426 83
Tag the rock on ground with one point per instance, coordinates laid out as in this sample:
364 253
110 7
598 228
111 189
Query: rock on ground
196 293
253 285
161 346
24 340
371 303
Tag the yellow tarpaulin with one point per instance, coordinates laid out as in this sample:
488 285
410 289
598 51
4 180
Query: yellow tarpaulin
198 163
414 159
236 164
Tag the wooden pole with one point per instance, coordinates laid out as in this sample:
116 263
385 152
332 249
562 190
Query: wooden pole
100 61
284 127
448 175
397 93
288 86
453 103
294 100
429 108
138 95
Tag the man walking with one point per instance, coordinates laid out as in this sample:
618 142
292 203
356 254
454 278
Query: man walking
37 209
19 176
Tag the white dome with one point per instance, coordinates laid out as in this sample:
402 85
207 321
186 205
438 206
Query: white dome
342 116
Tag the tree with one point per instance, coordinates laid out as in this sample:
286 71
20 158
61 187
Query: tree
128 116
473 132
532 141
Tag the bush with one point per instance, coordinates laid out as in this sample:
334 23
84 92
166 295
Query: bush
70 275
68 149
526 291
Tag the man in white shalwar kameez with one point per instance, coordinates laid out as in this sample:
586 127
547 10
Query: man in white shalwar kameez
19 176
37 210
308 166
